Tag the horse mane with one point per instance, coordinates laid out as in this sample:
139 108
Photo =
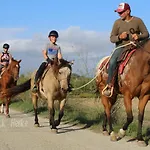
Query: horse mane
10 65
64 63
142 43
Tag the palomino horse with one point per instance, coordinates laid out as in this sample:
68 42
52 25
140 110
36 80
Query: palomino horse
133 82
52 86
9 79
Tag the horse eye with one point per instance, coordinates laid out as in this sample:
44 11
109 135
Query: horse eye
59 72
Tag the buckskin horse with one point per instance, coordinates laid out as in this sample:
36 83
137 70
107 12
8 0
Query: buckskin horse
133 81
9 79
53 86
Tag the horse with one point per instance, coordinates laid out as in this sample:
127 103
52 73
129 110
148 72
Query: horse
9 79
134 81
53 86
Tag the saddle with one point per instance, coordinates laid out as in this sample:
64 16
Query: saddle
122 60
125 57
40 82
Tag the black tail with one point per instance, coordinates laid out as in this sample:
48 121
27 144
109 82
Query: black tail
11 92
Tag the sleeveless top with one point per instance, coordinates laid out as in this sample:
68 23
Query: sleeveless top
52 50
5 57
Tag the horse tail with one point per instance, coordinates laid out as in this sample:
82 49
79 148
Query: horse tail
11 92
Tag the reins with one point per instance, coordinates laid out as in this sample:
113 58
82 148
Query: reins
131 42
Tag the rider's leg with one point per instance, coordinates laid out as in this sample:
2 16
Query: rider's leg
111 71
38 75
1 70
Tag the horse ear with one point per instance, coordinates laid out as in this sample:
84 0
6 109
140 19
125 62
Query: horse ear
19 61
71 62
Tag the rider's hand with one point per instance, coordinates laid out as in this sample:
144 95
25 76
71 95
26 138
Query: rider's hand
123 35
49 60
135 36
3 63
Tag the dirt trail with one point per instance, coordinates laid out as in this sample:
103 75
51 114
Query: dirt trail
18 133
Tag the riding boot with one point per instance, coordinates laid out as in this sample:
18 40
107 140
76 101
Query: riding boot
38 76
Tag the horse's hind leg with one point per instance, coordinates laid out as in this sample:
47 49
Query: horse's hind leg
34 102
61 112
141 107
128 107
7 108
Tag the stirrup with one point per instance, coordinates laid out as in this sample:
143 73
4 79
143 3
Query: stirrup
111 91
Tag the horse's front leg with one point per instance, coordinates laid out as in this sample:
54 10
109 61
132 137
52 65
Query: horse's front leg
107 103
142 103
128 107
34 102
2 108
51 114
7 107
61 112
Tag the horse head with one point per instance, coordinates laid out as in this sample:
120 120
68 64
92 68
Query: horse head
64 74
14 68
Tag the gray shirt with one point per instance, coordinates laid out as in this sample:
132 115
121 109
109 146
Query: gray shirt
52 50
121 26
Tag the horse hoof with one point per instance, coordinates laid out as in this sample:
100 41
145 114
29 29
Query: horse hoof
7 116
105 133
113 137
142 144
121 134
36 125
57 123
54 131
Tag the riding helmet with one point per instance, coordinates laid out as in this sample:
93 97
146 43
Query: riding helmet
53 33
6 46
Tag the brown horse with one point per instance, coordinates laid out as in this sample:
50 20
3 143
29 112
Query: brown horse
53 86
133 82
9 79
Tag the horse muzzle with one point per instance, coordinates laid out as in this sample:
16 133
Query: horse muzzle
64 90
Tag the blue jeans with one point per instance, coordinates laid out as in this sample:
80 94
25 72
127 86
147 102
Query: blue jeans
113 64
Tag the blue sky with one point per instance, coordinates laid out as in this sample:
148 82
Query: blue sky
25 25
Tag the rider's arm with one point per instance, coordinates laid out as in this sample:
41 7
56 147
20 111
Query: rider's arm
114 37
144 32
45 54
0 58
59 55
10 57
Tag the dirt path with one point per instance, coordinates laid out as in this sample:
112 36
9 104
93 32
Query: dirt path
18 133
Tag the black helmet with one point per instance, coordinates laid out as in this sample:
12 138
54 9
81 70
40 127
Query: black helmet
53 33
6 46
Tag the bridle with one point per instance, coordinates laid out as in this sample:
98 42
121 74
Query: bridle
132 31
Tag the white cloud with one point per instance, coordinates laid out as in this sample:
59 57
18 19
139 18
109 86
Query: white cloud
10 33
86 47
